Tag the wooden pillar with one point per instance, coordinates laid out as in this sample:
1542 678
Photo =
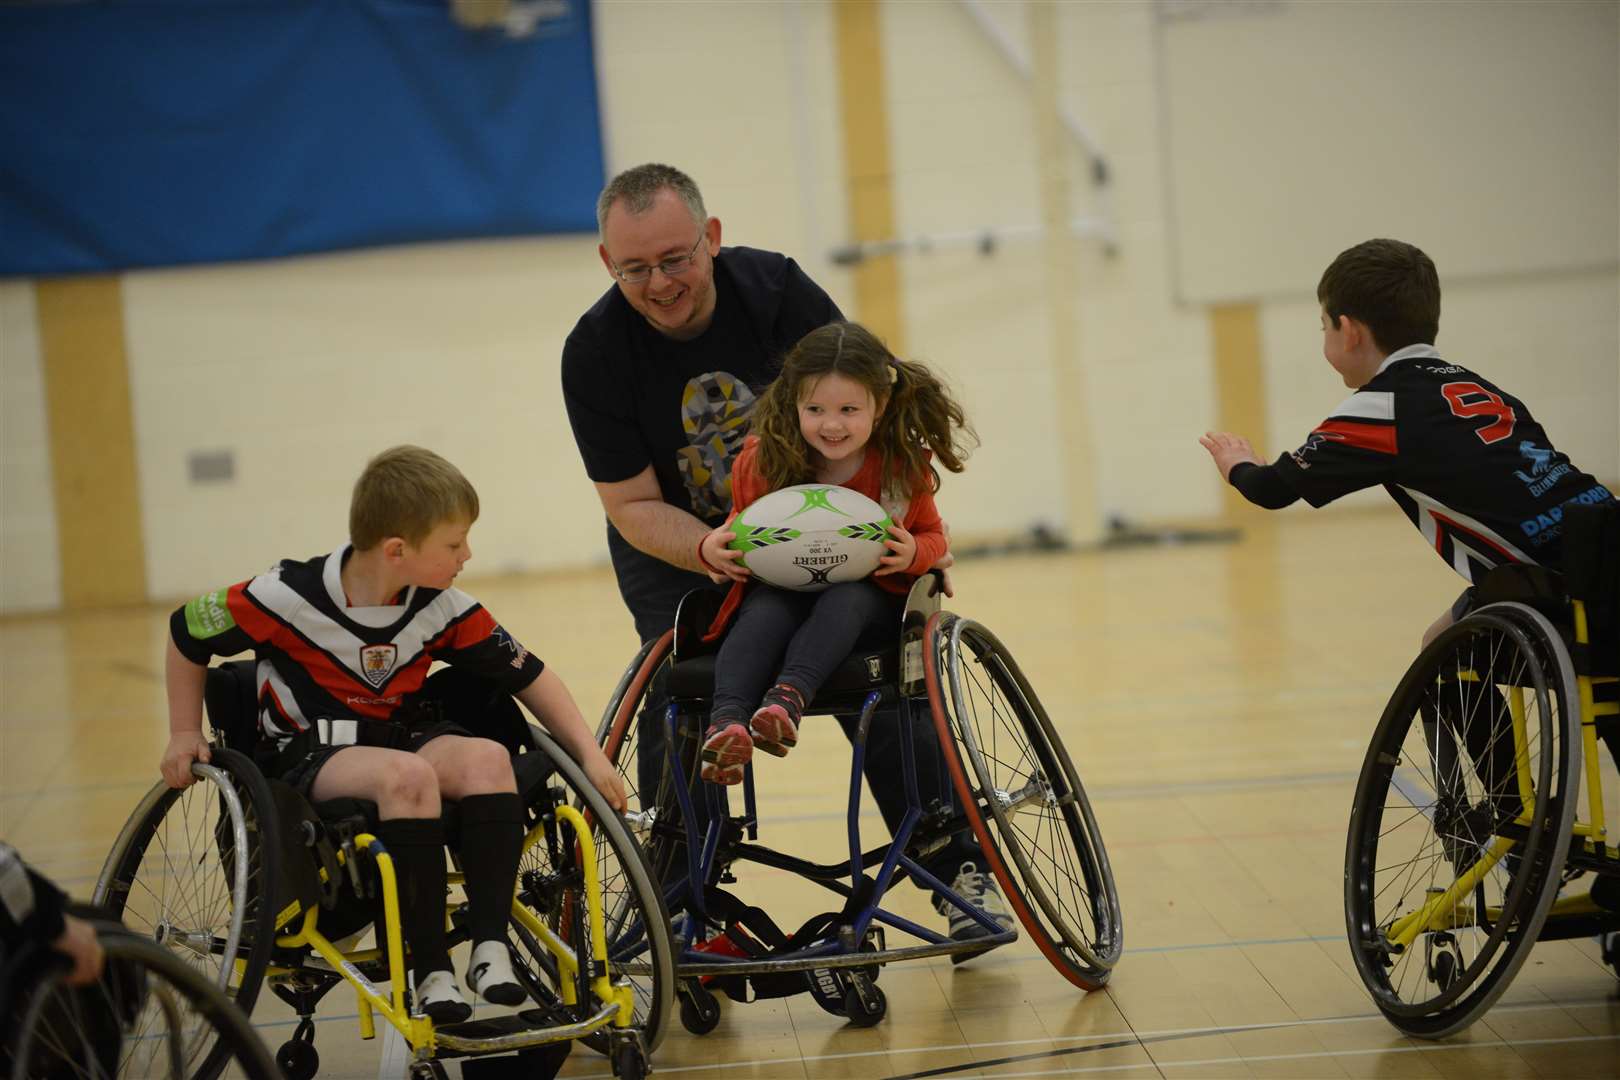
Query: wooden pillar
1240 384
868 179
1085 523
99 529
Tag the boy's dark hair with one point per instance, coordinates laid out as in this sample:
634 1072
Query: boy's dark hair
408 492
1389 285
918 410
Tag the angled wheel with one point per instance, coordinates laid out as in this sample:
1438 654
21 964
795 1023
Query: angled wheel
635 923
151 1015
1024 799
194 870
1460 824
643 763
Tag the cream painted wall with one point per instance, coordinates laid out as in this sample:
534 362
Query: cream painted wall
305 367
30 571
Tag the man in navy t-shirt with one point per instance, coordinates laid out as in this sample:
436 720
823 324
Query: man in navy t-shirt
659 377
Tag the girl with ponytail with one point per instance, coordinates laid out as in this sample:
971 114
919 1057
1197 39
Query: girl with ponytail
843 411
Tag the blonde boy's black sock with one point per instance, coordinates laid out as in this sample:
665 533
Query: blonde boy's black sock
491 844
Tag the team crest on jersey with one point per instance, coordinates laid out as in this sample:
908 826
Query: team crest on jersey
377 662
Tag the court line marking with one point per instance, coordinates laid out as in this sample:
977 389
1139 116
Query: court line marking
1243 1059
1126 1038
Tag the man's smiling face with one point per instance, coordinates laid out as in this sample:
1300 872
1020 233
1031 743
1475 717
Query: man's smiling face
679 304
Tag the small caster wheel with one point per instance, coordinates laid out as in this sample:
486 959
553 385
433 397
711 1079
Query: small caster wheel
1442 960
864 1003
1611 950
700 1011
427 1070
629 1063
298 1060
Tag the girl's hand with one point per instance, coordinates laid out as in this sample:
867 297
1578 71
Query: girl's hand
184 748
606 779
946 561
902 552
723 564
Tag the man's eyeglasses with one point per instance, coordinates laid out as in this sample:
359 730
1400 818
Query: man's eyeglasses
680 264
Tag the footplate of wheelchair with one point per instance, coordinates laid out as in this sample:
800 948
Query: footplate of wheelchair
517 1031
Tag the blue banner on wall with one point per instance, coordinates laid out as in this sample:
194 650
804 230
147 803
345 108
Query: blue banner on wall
166 132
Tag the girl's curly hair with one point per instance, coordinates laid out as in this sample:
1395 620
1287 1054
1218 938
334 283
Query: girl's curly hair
916 411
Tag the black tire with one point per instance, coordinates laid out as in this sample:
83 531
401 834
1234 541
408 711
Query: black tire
655 814
298 1059
700 1010
637 926
1438 788
141 1020
1010 769
629 1062
177 876
865 1006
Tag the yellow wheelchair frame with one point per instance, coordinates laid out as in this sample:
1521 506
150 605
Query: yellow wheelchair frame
195 870
617 1000
1493 875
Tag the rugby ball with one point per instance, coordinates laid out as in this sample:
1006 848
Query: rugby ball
810 536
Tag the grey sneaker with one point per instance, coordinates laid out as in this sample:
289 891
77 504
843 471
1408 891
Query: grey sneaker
978 889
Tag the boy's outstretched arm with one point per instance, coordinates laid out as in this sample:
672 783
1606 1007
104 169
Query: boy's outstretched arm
551 703
184 680
1228 450
1256 481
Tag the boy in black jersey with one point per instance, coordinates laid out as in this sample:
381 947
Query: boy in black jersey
343 644
1464 460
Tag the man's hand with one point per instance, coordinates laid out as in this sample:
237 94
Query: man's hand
902 552
184 748
724 563
1228 450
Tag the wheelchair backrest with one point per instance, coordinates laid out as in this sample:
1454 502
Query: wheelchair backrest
231 697
1592 570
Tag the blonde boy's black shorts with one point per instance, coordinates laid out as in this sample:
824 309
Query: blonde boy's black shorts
300 762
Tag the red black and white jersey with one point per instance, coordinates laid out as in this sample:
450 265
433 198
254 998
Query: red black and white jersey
1464 460
320 659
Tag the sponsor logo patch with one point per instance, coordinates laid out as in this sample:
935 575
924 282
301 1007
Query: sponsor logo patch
209 615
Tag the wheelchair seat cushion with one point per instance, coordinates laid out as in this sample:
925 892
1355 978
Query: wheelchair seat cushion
856 676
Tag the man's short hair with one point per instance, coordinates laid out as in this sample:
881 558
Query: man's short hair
1390 286
640 185
407 492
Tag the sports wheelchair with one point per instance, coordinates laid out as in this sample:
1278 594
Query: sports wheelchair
136 1020
1466 825
1014 787
247 883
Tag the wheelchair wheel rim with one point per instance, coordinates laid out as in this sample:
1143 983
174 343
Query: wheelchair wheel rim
1422 808
169 883
1072 893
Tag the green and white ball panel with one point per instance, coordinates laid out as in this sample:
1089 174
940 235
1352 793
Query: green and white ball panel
810 536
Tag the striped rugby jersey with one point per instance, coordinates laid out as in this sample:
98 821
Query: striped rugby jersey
1465 461
320 659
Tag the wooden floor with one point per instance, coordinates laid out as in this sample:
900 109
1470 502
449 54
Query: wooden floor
1216 698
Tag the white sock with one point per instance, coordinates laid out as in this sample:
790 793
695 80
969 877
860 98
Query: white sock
440 997
489 974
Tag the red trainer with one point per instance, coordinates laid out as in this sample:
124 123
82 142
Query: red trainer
727 748
775 726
